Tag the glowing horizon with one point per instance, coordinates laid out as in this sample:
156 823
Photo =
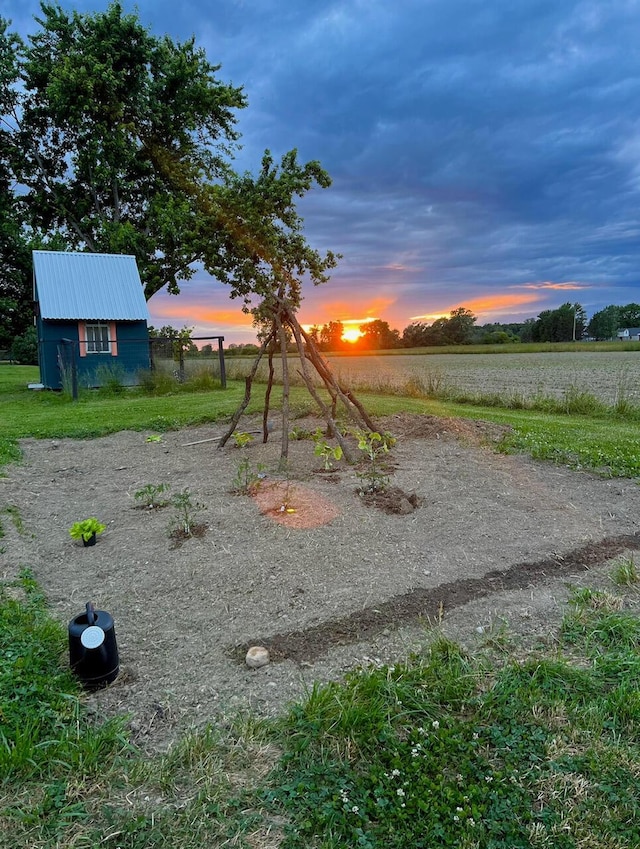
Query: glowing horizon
209 311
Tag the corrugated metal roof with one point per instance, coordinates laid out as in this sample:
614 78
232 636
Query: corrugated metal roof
89 286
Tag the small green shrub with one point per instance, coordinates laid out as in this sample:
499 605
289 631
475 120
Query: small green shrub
323 449
186 510
86 528
25 348
247 477
151 495
374 446
242 439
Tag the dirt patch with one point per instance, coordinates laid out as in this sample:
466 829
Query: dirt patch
429 604
331 585
293 505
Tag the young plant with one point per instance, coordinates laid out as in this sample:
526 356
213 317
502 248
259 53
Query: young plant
150 496
86 529
374 446
247 479
329 453
186 510
242 439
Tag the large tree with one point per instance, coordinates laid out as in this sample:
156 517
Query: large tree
460 326
15 259
629 315
331 336
102 106
378 335
604 324
564 324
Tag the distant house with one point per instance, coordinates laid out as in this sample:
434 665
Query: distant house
91 318
629 334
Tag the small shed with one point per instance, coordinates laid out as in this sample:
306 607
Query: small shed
629 334
91 319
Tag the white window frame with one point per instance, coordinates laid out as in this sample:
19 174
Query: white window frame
98 337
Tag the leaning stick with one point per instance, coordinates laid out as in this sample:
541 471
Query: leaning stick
211 439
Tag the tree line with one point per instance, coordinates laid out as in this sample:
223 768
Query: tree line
564 324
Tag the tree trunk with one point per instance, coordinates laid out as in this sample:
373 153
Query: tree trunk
346 396
284 449
247 393
334 430
267 399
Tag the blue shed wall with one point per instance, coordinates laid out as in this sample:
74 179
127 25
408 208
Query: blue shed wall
59 341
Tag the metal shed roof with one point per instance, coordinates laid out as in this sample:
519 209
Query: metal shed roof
88 286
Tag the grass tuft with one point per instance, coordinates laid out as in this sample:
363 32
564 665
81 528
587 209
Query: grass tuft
625 572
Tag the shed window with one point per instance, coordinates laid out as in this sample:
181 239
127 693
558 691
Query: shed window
98 341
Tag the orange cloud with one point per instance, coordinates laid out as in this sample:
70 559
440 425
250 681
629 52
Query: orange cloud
494 304
499 303
339 310
190 312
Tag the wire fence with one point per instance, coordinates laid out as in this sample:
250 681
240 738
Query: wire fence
69 364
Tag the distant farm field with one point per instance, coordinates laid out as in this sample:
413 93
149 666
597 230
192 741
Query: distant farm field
608 375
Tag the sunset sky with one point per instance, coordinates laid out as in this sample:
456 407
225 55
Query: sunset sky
483 154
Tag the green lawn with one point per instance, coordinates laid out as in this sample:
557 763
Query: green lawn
599 438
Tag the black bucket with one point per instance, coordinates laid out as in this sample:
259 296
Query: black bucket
93 653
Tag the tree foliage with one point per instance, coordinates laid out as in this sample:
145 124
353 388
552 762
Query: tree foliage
604 324
378 336
331 336
24 349
565 324
457 329
253 234
629 315
15 258
101 104
122 143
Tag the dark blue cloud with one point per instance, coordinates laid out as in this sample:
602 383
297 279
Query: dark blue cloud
476 148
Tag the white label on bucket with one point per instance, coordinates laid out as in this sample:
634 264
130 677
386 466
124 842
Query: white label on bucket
92 637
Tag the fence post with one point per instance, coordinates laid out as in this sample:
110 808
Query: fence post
74 371
223 373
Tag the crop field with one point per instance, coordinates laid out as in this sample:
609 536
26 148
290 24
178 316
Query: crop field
607 375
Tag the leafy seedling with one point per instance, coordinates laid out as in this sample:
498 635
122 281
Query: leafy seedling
185 522
151 495
242 439
247 478
329 453
374 446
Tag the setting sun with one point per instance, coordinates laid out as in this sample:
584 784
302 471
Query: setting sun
352 328
352 334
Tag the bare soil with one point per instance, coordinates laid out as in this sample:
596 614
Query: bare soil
467 540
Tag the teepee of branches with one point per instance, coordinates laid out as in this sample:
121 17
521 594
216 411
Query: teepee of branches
279 319
249 235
